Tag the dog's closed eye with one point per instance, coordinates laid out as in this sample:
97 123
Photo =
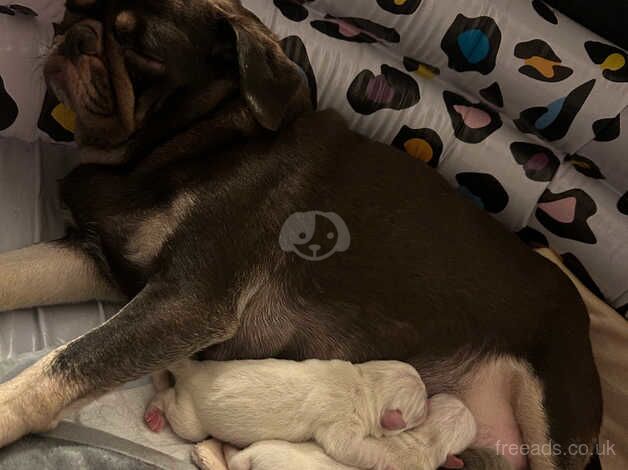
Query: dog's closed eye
143 63
127 31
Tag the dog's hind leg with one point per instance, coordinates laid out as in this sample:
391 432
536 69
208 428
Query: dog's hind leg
51 273
574 390
507 401
167 321
572 393
541 415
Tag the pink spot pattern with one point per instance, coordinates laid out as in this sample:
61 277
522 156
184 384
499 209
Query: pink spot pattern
563 210
474 118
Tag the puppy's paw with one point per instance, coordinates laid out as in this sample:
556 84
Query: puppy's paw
154 418
208 455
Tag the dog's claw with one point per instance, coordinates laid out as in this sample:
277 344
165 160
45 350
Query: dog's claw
154 419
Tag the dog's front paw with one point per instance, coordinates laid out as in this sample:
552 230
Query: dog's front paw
25 408
12 424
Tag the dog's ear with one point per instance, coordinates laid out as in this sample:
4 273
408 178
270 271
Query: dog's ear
272 85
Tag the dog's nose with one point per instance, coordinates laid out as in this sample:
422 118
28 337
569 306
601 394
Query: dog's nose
82 39
314 247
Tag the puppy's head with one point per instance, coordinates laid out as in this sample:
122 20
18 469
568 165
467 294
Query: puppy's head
117 61
400 397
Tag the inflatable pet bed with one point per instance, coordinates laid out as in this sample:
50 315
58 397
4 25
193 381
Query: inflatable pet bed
521 109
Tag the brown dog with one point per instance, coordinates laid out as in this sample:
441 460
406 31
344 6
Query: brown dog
212 150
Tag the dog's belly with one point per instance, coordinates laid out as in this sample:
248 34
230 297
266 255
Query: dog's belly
485 385
313 334
505 397
286 338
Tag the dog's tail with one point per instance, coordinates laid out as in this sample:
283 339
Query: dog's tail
182 369
484 459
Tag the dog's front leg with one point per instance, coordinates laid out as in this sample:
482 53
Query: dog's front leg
51 273
162 324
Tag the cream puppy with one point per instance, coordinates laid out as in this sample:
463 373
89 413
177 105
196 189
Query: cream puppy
448 430
335 403
264 455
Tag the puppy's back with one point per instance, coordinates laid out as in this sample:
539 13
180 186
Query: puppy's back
251 400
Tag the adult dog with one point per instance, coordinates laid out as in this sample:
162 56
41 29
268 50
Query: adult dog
202 146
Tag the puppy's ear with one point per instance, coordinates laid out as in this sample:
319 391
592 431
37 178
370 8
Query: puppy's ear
272 85
392 420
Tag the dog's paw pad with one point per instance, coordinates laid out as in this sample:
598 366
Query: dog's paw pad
154 419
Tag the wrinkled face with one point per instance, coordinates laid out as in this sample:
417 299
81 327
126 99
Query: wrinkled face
118 59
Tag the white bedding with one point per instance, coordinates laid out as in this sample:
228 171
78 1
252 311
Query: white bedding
30 212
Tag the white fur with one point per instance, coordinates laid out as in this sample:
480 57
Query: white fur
281 455
50 273
449 429
265 455
334 403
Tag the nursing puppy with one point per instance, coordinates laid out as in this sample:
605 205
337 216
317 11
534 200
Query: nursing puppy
448 429
211 147
335 403
265 455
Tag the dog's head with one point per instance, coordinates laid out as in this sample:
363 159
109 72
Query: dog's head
118 61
